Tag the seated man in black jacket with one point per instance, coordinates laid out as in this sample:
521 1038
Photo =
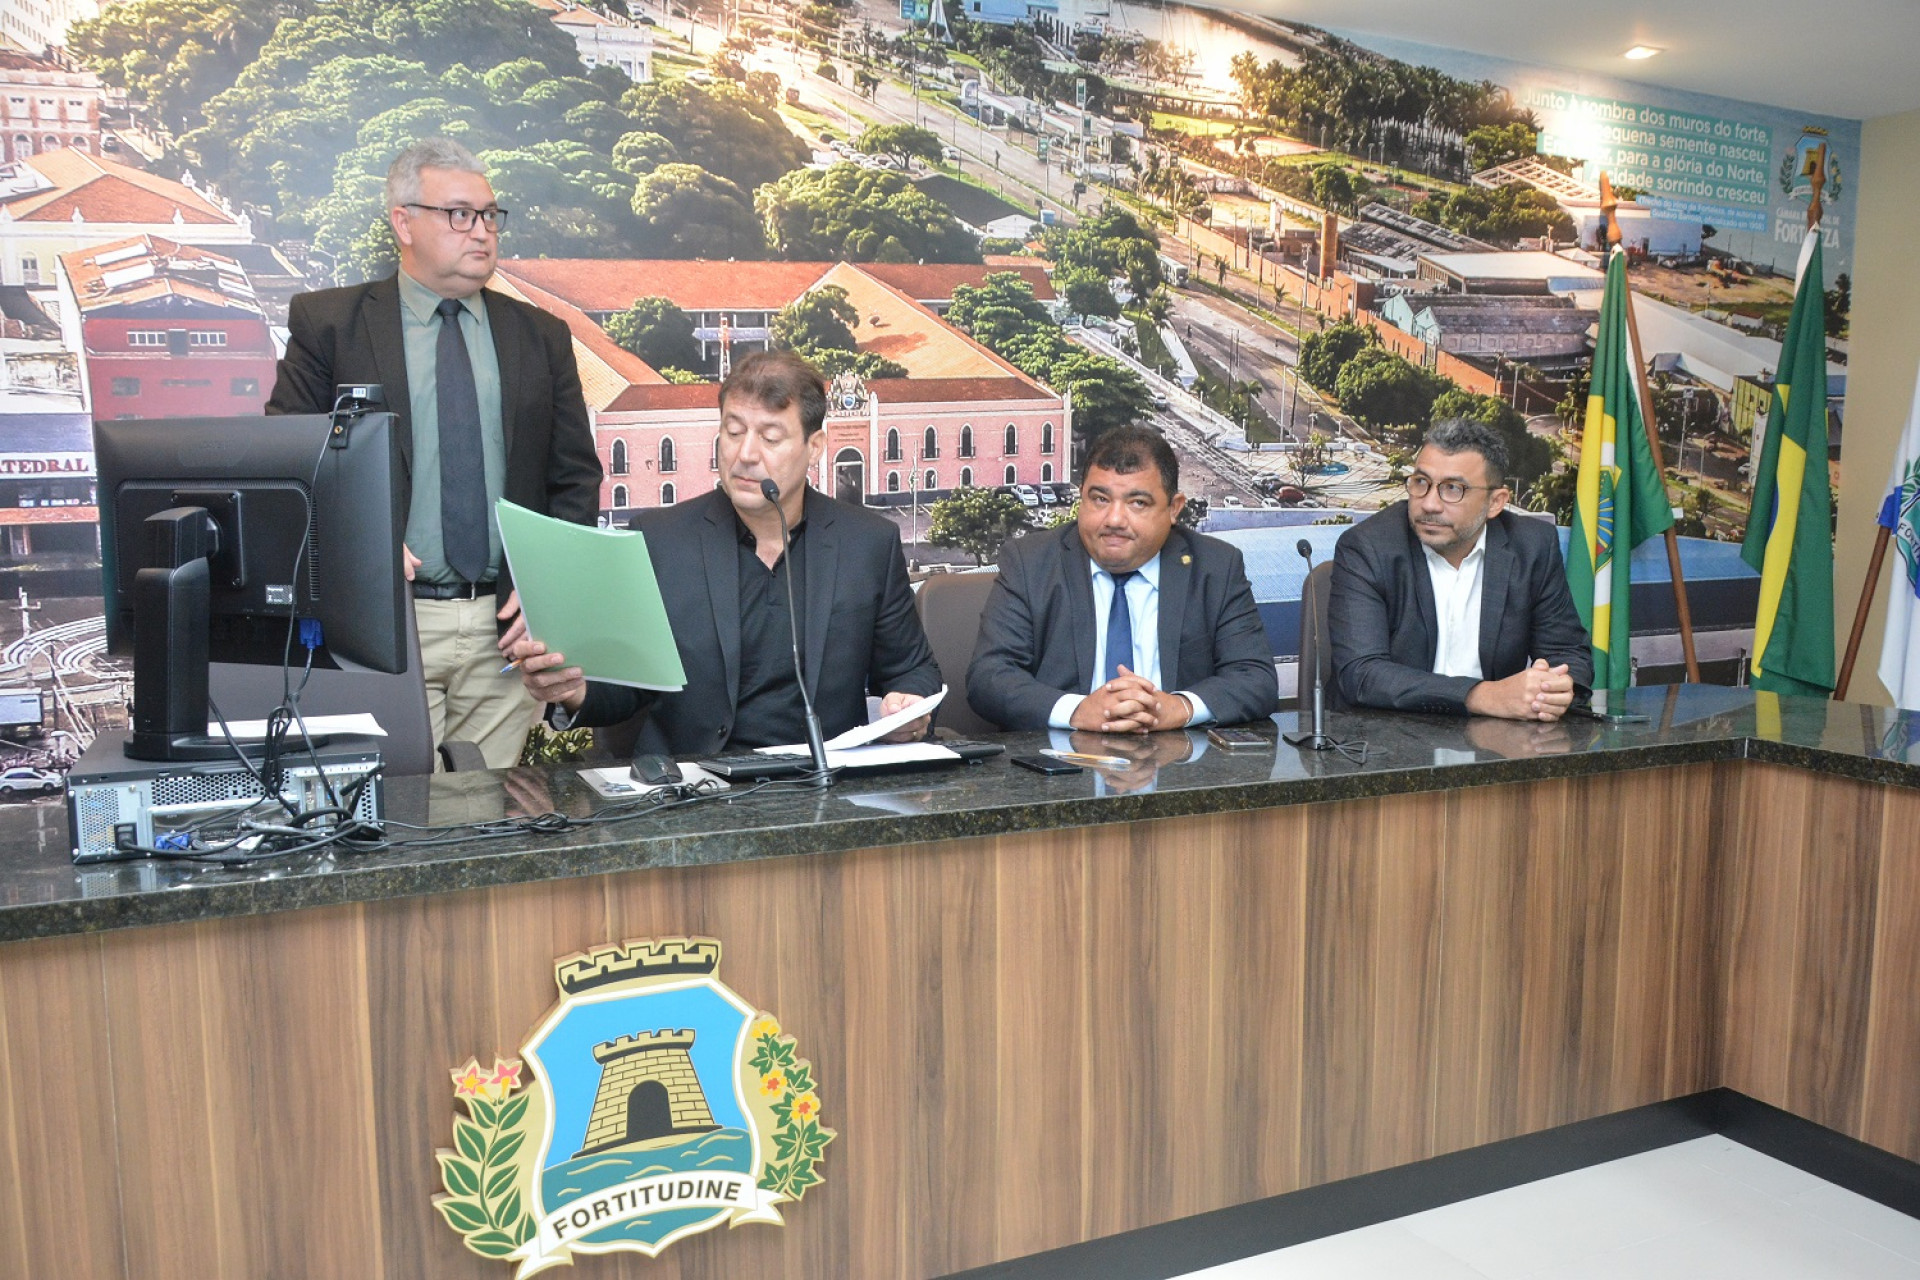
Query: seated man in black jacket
718 561
1449 602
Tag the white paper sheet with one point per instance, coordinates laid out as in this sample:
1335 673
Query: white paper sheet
256 730
859 737
879 755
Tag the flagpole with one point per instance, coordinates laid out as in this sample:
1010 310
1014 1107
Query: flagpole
1607 206
1871 586
1867 591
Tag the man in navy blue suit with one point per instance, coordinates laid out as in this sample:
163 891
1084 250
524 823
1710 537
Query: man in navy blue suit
1122 622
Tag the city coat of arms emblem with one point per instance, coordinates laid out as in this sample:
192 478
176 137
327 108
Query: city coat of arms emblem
649 1104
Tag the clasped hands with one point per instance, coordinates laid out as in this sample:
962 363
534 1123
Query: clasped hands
1129 703
1540 692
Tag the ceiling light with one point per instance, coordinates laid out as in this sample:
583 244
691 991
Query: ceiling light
1640 52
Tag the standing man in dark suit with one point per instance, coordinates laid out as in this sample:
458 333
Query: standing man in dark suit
488 400
1449 602
1122 622
718 561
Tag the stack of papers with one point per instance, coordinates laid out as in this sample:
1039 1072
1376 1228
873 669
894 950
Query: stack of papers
860 747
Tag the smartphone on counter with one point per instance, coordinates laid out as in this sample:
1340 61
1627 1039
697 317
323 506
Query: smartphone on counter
1238 739
1045 764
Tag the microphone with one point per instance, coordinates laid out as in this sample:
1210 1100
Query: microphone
816 743
1316 740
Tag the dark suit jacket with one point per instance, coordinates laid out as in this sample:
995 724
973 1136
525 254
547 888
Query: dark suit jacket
860 632
1037 634
1384 630
353 335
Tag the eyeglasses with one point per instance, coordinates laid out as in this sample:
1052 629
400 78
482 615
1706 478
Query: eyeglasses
461 219
1452 492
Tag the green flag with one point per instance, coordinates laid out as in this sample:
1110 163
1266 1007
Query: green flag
1619 500
1790 532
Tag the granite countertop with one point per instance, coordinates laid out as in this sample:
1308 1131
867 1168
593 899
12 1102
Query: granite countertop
43 894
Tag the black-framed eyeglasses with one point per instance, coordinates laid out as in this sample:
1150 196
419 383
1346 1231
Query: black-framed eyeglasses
1452 492
461 219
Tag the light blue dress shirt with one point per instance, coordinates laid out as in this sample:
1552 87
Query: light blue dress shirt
1143 602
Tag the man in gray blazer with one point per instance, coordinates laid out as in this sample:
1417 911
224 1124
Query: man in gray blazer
1448 602
719 561
1122 622
487 398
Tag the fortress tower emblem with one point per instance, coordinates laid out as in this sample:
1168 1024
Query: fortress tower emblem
601 1138
648 1093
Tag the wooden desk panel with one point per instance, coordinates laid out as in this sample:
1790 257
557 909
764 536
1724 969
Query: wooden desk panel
1024 1041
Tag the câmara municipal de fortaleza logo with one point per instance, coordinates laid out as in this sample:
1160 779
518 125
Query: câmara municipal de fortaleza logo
660 1105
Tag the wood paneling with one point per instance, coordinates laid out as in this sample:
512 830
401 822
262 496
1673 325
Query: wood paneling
1024 1041
63 1121
1891 1106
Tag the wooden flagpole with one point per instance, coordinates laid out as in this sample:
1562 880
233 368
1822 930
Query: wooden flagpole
1867 591
1607 208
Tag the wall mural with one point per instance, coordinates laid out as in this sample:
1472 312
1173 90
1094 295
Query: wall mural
1000 226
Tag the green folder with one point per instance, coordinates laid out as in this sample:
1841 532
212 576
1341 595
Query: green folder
590 594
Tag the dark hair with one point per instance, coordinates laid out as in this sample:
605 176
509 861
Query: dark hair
1464 435
777 379
1127 449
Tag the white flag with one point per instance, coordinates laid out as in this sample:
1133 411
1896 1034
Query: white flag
1900 515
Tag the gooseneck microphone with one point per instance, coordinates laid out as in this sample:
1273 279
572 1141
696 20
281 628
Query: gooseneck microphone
816 743
1317 740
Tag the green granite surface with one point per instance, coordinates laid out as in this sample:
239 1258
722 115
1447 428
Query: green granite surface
42 893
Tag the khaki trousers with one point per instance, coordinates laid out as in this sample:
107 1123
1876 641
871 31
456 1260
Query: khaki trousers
468 697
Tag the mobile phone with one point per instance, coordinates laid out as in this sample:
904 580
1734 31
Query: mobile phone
1237 739
1045 764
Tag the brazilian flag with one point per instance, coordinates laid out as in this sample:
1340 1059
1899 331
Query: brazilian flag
1790 533
1619 499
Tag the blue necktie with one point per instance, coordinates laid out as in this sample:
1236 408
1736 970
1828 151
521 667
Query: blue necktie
463 482
1119 627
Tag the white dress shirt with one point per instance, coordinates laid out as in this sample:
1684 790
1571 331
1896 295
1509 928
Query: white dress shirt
1456 605
1143 603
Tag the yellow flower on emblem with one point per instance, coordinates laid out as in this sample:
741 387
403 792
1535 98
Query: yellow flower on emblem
773 1084
468 1081
767 1026
806 1106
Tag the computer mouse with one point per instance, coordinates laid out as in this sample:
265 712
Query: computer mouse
654 770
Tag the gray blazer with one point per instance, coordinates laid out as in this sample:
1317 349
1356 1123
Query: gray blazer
1384 629
1037 634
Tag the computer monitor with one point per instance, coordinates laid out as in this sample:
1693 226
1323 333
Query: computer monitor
201 527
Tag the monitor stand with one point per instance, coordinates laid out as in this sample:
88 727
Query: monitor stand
171 598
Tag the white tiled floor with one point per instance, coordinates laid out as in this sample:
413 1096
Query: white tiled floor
1709 1209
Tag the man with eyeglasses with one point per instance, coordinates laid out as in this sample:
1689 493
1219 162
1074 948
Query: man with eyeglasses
1448 602
488 400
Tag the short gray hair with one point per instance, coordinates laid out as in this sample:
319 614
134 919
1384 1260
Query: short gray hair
1464 435
403 175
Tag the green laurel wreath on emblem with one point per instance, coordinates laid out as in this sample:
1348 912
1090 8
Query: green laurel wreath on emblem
799 1140
484 1202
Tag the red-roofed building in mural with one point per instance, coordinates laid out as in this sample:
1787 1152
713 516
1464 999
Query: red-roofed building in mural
961 416
65 200
168 330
